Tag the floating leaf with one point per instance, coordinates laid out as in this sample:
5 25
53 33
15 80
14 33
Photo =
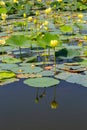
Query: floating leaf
26 69
41 82
47 73
67 53
7 81
66 29
11 60
5 66
18 41
6 75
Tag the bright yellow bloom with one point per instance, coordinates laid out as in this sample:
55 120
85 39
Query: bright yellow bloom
47 11
46 28
3 16
45 23
85 37
53 43
59 0
35 21
30 19
39 0
2 3
24 15
37 12
2 42
15 1
80 16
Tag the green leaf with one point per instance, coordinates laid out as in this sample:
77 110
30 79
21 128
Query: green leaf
6 75
41 82
67 53
18 41
66 29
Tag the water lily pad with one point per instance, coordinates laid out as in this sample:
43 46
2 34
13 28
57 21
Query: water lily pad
5 66
42 82
7 81
6 75
11 60
63 75
27 69
47 73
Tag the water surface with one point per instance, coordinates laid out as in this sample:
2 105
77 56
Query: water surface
18 110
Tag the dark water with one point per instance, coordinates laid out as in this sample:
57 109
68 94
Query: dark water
18 110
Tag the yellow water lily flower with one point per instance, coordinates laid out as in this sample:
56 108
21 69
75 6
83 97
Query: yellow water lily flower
47 11
80 16
59 0
53 43
37 12
2 3
24 15
45 23
15 1
30 19
85 37
2 42
39 0
3 16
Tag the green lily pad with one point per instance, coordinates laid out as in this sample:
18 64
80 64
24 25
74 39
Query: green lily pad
4 66
47 73
27 69
11 60
6 75
7 81
42 82
63 75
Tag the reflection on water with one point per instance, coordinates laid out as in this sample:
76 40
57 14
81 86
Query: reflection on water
19 110
54 103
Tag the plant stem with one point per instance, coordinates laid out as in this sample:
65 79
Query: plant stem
54 62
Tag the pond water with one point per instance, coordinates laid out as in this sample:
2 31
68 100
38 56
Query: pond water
18 110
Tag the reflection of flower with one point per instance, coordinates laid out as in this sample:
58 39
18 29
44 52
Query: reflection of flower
37 98
54 104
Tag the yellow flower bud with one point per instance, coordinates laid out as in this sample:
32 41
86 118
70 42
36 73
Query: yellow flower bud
53 43
47 11
2 42
3 16
37 13
24 15
39 0
80 16
15 1
35 21
30 19
45 23
2 3
59 0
